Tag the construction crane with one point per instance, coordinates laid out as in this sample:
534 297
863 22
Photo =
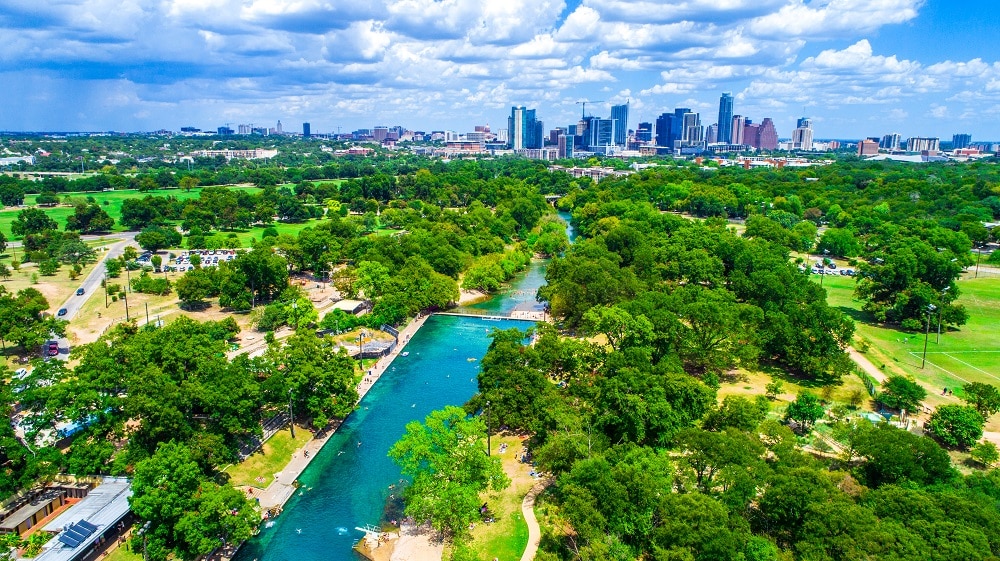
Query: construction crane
583 111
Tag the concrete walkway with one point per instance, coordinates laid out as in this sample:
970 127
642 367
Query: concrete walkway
283 485
528 510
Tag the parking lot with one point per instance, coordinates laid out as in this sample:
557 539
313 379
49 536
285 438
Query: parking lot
209 258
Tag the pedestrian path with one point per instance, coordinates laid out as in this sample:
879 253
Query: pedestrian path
528 510
282 487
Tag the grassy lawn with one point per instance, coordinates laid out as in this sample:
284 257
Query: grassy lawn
273 457
970 353
506 538
110 201
121 554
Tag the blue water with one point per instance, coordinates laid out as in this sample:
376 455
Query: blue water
347 484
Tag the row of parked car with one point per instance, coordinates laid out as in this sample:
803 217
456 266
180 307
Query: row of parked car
209 258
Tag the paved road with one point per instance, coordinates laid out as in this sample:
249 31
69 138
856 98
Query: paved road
92 284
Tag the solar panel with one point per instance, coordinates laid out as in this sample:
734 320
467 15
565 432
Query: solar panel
68 540
75 534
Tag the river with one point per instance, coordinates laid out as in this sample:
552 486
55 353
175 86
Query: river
347 484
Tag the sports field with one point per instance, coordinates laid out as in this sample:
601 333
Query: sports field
969 353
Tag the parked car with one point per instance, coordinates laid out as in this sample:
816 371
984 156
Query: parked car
53 348
80 291
62 312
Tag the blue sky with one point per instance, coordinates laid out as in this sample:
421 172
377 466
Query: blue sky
857 67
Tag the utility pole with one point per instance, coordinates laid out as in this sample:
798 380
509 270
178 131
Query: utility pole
943 292
147 312
105 291
488 447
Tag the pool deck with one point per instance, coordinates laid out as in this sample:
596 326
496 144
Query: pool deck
283 486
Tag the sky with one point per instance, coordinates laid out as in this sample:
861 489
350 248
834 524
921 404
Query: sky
856 67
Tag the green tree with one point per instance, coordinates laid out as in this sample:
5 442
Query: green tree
840 242
805 410
113 268
899 392
984 397
445 456
48 267
194 287
32 221
155 238
737 412
985 453
957 426
88 218
301 312
894 455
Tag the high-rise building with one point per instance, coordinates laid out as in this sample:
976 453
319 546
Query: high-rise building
712 133
600 133
619 116
736 136
306 131
644 133
768 135
692 133
868 147
919 144
679 129
564 146
751 134
523 130
960 141
554 135
891 141
278 128
802 136
725 118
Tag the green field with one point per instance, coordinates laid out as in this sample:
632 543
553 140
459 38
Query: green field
112 198
970 353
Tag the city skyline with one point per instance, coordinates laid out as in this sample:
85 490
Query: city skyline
857 69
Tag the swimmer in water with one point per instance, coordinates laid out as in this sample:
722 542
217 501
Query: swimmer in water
359 444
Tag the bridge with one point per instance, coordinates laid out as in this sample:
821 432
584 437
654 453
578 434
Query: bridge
522 315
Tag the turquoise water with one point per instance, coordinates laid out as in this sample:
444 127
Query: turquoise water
347 484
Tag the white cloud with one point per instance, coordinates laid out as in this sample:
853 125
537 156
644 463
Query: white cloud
834 17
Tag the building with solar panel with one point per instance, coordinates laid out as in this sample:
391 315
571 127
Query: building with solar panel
89 523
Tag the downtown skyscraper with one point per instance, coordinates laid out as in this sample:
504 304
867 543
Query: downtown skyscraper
524 131
725 118
619 118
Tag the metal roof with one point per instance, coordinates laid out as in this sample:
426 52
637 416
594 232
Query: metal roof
101 509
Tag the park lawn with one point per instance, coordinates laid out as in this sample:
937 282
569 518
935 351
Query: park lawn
271 459
110 201
969 353
56 288
754 383
506 538
94 318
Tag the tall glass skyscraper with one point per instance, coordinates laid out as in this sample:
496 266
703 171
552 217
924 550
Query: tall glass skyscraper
619 116
726 118
524 130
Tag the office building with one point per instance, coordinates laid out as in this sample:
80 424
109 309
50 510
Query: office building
891 142
564 146
768 135
600 133
960 141
725 133
277 129
223 131
644 133
736 136
680 129
802 136
919 144
868 147
523 129
619 116
554 135
712 133
306 130
751 134
692 133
